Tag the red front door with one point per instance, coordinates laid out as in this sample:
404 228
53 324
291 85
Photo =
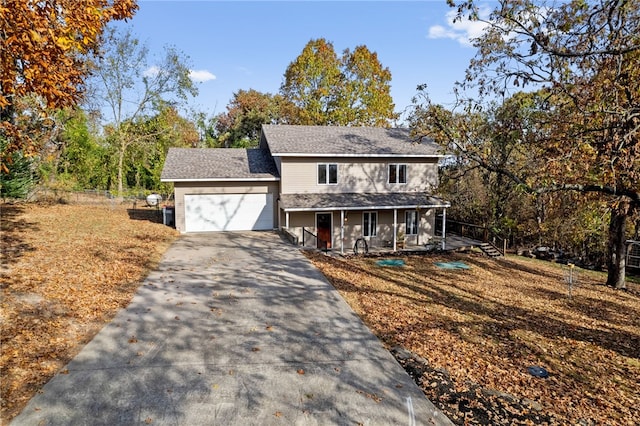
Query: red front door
323 228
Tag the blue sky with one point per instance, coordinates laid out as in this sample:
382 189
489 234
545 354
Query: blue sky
235 45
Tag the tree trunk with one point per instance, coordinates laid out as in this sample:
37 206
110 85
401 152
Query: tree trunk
7 113
121 170
616 262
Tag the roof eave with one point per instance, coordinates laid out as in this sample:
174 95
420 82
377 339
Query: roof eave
413 206
292 154
264 179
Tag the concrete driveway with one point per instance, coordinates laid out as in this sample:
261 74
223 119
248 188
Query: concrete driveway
233 329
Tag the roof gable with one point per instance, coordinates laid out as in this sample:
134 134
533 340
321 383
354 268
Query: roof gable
342 141
207 164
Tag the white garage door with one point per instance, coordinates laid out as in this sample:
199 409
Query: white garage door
228 212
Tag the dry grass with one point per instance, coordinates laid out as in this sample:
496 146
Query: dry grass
66 270
486 325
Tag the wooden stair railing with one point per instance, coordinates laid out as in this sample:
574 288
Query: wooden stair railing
492 245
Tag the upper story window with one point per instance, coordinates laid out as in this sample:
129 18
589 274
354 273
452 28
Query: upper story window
397 173
327 174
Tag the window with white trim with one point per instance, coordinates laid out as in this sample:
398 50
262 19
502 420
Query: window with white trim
370 224
411 222
327 174
397 173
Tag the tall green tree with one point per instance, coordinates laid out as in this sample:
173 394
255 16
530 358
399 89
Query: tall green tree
130 88
144 162
584 56
16 180
325 89
83 162
206 127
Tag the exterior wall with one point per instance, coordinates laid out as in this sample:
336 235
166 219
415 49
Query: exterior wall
278 162
183 188
353 228
299 175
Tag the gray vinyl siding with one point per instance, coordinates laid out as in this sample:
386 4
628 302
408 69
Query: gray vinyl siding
299 175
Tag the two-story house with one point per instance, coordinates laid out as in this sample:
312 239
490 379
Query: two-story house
325 186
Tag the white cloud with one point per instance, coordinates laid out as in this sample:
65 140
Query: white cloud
200 76
151 71
462 31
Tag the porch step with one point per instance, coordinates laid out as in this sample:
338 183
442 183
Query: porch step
489 250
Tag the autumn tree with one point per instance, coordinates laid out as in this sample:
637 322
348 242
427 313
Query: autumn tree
366 99
43 52
583 57
130 88
247 111
485 142
325 89
38 125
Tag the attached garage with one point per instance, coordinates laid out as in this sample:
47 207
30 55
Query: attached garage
228 212
224 189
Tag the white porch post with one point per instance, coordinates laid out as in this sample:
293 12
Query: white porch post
342 231
395 228
286 220
279 214
444 224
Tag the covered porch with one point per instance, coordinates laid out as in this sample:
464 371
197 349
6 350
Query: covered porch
390 221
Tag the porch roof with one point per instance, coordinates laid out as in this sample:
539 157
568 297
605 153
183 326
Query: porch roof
359 201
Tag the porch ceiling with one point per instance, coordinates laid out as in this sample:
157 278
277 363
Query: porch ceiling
351 201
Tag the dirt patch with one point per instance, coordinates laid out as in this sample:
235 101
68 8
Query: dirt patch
66 271
469 336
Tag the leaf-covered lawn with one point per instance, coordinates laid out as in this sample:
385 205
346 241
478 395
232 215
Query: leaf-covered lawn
484 326
66 270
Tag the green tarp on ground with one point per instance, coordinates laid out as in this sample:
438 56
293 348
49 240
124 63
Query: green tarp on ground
452 265
390 262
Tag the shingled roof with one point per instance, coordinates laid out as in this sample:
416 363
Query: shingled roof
192 164
344 201
341 141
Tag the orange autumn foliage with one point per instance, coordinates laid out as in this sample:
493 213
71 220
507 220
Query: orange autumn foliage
483 327
43 47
